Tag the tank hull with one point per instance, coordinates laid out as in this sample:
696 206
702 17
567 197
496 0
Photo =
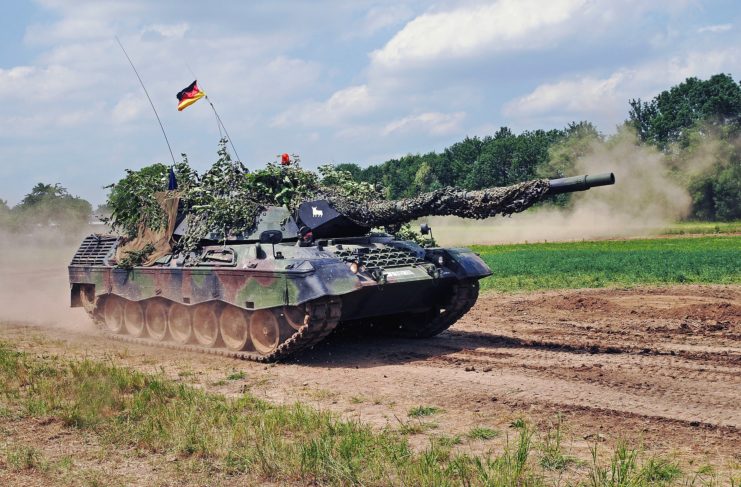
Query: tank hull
275 292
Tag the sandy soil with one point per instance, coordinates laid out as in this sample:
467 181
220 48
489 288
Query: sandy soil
659 367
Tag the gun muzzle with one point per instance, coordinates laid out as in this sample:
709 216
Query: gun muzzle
580 183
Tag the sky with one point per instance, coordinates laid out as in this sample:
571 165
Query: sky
333 81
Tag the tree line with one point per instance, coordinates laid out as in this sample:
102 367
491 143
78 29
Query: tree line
47 206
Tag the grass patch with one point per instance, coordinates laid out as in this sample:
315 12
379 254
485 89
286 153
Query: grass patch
216 438
236 375
421 411
24 457
572 265
448 441
704 228
482 433
625 469
552 456
518 423
416 427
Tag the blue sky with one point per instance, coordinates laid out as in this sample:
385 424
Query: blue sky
333 81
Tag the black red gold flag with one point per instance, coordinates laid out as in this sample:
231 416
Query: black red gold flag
189 96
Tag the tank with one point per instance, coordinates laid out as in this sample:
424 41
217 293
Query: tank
298 275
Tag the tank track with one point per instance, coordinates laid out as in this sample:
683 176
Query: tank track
462 299
322 317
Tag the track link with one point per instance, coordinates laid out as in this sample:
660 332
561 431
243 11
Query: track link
322 316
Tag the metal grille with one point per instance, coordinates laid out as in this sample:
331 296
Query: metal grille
94 250
383 257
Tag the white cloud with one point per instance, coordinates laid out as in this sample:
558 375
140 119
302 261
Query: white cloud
715 28
81 20
344 104
41 84
384 17
580 95
605 98
128 108
503 25
433 123
172 31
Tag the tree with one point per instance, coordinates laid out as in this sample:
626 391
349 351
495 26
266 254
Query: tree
4 214
50 205
578 141
667 117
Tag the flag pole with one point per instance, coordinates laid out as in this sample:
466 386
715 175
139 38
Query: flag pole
222 126
148 98
218 118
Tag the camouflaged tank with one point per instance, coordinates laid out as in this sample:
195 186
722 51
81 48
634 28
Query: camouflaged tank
297 276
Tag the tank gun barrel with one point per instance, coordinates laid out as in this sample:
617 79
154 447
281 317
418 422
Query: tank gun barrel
338 217
579 183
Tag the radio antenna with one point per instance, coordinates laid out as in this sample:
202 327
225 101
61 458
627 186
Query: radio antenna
148 98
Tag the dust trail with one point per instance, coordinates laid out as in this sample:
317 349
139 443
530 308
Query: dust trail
34 287
644 200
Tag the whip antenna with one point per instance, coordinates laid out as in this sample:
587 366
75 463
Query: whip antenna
150 99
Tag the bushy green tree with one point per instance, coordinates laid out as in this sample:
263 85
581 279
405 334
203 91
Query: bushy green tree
51 206
667 117
698 124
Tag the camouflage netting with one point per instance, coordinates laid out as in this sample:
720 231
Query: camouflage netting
226 200
445 201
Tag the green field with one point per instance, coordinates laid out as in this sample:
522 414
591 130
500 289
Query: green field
699 227
610 263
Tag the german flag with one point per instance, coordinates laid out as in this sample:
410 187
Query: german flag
189 96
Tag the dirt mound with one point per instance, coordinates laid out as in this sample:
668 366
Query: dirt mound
721 312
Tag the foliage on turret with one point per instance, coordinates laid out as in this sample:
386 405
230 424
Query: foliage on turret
227 199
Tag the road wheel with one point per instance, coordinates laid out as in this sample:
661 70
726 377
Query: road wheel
180 323
113 314
134 319
206 325
295 316
264 331
234 327
156 319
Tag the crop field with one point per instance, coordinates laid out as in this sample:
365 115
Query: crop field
612 263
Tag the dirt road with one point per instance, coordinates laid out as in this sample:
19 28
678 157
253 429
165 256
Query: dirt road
659 367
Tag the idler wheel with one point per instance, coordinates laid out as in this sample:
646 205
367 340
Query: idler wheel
180 323
156 319
294 316
234 327
264 331
134 318
113 314
206 325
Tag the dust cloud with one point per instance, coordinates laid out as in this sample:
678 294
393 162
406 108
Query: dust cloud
645 199
34 286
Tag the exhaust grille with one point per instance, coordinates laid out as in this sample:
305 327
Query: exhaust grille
382 257
94 250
